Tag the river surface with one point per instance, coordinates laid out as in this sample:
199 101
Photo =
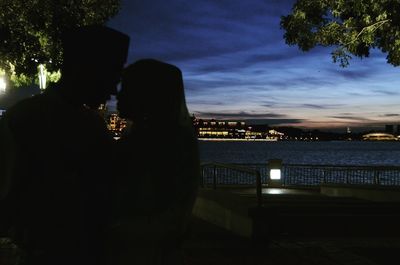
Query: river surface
315 153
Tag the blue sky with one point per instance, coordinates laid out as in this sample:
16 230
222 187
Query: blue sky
236 65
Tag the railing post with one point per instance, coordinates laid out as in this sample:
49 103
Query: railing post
259 189
376 177
215 178
202 176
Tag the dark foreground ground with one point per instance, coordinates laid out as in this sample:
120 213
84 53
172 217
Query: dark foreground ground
209 245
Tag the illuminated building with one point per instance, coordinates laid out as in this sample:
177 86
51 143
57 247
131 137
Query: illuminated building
219 129
234 130
116 124
103 110
379 137
274 135
253 134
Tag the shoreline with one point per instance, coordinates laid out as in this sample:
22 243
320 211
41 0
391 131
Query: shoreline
268 140
235 140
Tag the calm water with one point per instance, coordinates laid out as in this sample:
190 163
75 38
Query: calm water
336 153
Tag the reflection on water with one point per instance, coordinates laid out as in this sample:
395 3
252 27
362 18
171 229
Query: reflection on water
336 153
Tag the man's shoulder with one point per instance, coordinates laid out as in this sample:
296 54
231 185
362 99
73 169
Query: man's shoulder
27 107
40 106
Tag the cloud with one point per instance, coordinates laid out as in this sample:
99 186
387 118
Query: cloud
270 103
317 106
220 67
385 92
251 118
353 118
233 57
391 115
274 121
206 102
280 104
293 82
261 60
179 31
275 57
203 85
352 74
239 115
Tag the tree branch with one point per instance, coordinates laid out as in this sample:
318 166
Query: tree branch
374 27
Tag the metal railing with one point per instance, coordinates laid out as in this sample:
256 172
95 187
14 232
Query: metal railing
231 174
314 175
301 174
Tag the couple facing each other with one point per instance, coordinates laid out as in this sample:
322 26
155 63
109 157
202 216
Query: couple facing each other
71 194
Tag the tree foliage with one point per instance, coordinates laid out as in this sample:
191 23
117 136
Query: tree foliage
353 27
30 30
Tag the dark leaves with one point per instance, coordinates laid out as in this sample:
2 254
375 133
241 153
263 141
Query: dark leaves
30 30
353 26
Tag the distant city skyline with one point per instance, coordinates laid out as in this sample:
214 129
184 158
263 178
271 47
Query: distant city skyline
237 66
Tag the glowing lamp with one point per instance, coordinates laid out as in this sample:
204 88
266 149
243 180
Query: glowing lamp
3 85
275 169
42 77
275 174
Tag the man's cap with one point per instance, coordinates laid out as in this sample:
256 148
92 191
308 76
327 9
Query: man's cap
95 43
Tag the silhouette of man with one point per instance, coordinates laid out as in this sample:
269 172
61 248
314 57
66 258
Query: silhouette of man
54 150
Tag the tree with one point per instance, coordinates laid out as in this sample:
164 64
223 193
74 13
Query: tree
30 31
353 27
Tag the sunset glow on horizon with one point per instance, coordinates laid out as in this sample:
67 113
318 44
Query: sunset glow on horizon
236 65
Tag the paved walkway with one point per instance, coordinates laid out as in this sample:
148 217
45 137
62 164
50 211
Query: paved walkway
279 191
207 244
210 245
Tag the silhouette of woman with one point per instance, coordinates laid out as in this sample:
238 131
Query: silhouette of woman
159 156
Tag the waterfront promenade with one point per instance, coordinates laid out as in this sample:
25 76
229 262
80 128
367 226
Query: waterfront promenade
291 213
352 221
207 244
292 225
295 226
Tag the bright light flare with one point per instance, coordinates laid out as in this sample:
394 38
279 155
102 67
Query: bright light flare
273 191
275 174
42 77
3 85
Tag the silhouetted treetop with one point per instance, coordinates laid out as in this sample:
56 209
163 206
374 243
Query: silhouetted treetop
30 30
353 27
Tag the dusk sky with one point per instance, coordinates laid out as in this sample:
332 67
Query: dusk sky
236 65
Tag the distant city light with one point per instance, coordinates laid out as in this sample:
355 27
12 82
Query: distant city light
3 85
379 137
42 77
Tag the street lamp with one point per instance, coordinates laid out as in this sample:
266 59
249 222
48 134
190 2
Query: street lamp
275 172
3 85
42 77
